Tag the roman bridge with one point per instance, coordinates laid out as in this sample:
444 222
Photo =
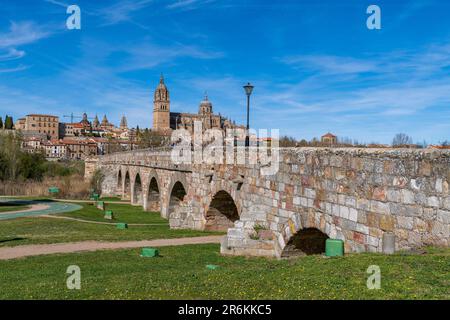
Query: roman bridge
352 194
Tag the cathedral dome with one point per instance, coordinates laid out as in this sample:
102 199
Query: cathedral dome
205 106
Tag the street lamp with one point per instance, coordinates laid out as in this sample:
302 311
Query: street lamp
248 91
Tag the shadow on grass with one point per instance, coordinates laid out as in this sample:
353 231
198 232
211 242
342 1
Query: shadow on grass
13 239
11 204
21 202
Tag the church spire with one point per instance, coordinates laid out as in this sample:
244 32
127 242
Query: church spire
123 123
161 78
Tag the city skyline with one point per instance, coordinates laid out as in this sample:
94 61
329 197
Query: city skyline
316 67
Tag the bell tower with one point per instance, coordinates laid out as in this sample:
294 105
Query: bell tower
161 107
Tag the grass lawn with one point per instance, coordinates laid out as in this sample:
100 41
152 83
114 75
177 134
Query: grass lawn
50 230
113 199
122 213
9 207
181 273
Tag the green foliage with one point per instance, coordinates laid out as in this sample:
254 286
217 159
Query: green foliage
96 181
3 167
1 123
10 151
9 122
148 139
63 169
31 166
16 164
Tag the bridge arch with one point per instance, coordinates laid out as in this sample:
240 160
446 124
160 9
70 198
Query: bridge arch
137 190
119 185
152 199
306 241
222 212
305 233
126 191
176 196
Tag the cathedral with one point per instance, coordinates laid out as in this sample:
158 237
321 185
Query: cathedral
165 121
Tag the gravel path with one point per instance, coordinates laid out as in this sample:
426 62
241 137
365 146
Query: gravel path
7 253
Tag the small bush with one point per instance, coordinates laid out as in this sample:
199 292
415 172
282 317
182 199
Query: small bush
96 181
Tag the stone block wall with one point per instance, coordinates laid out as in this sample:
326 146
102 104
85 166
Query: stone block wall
351 194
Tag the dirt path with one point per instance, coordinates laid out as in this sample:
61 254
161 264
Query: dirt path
7 253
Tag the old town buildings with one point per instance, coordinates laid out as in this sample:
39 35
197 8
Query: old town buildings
164 120
74 140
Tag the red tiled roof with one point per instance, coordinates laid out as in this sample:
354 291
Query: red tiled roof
41 115
329 135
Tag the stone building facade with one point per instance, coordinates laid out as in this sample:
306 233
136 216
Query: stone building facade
40 124
164 120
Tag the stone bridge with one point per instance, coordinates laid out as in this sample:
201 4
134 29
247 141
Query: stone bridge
344 193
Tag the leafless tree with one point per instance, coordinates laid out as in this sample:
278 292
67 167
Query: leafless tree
401 139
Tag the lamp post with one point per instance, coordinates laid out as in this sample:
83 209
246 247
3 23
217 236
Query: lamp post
248 91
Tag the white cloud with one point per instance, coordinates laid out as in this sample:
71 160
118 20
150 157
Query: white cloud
12 54
330 64
58 3
187 4
122 11
14 69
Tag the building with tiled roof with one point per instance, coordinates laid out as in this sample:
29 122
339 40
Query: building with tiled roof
329 139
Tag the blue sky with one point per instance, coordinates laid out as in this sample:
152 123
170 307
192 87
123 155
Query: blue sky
315 65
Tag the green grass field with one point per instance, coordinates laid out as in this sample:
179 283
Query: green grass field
50 230
181 274
122 213
118 199
8 208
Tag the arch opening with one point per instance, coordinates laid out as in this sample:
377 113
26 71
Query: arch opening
137 190
126 186
307 241
153 196
222 212
176 197
119 182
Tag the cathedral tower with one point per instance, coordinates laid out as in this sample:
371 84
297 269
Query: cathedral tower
161 107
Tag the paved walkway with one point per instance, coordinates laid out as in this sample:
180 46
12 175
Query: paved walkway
7 253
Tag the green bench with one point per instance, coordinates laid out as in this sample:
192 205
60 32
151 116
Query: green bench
212 267
95 197
334 248
109 215
149 252
53 190
122 226
101 205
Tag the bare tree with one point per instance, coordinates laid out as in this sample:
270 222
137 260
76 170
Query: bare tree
401 139
287 142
